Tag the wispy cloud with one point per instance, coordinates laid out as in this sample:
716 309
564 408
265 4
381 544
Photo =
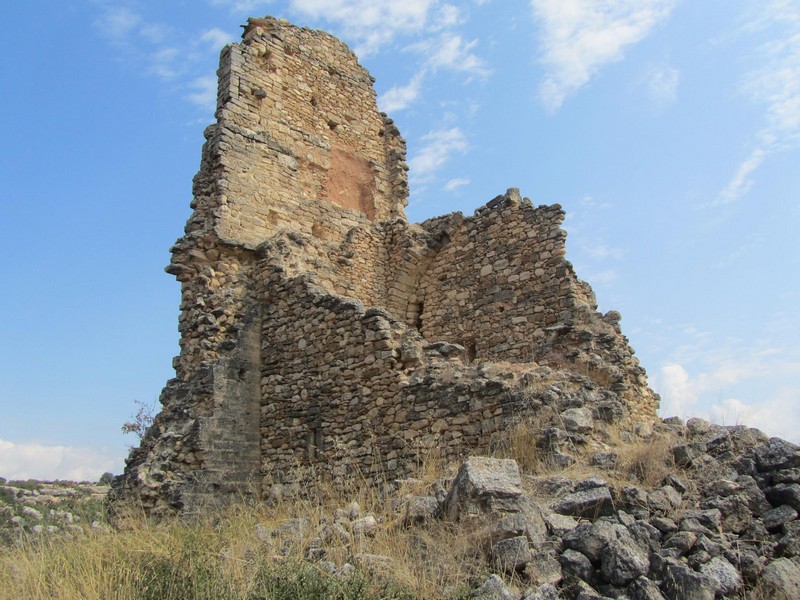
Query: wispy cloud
41 461
662 85
117 22
445 51
166 63
579 37
439 147
451 52
776 87
177 57
204 92
244 7
216 38
733 380
778 415
683 395
372 24
401 97
456 183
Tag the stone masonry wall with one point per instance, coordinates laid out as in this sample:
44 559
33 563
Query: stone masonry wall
324 335
300 131
350 393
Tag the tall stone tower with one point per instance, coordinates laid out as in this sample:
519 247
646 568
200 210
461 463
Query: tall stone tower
322 335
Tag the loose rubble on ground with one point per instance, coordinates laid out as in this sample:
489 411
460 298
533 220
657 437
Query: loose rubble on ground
64 508
722 523
720 520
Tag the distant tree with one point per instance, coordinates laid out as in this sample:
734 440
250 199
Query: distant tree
106 478
141 420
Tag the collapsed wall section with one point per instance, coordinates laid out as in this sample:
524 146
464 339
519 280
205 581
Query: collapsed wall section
498 283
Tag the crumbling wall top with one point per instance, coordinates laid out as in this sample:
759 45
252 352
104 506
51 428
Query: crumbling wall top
299 140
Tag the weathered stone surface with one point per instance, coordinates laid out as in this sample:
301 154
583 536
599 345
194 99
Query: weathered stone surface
526 521
644 589
543 569
789 543
493 589
420 508
577 420
784 493
544 592
777 454
786 476
682 582
576 565
560 525
512 554
776 517
623 561
664 500
591 504
483 485
781 580
681 542
723 576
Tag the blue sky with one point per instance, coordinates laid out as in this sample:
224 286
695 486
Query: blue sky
668 130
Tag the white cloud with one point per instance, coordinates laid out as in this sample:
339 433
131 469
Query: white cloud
402 96
601 278
177 57
776 87
600 251
456 183
241 6
776 416
216 38
166 63
372 24
662 85
580 37
708 393
439 147
39 461
117 22
448 16
205 92
450 51
678 395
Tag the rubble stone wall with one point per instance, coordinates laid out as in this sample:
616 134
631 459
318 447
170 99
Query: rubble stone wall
300 133
350 392
323 333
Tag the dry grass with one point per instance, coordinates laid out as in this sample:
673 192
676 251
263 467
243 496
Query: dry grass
252 553
648 461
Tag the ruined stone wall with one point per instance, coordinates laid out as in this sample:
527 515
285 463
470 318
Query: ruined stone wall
303 143
510 283
323 333
349 392
498 283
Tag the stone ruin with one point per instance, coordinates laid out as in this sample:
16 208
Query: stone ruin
325 336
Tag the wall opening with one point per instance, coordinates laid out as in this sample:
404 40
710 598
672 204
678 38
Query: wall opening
415 314
471 350
314 443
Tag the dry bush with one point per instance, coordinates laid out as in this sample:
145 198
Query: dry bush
647 461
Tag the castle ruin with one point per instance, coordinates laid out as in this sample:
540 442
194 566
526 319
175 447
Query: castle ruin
322 334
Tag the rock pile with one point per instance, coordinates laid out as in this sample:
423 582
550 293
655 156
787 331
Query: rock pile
59 508
722 523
